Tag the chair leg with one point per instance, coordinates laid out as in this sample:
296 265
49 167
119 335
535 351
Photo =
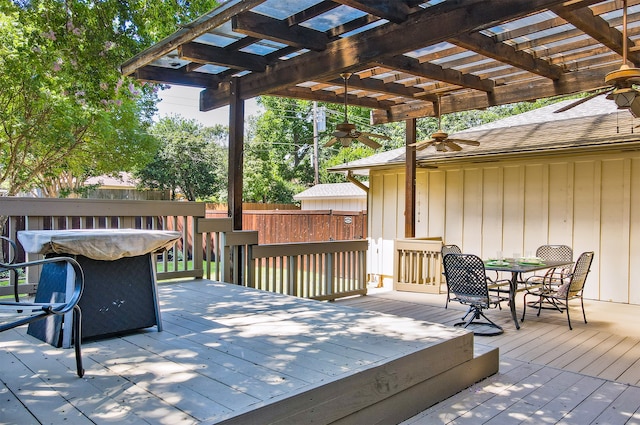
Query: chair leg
477 314
77 330
540 304
569 318
583 313
446 304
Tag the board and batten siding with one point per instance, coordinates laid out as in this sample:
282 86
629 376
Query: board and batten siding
586 202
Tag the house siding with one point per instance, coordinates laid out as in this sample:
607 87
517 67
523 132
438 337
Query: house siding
586 202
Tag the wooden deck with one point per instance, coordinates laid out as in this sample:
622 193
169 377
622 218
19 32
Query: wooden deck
548 374
231 355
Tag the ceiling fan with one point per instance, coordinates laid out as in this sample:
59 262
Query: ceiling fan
441 140
346 132
620 83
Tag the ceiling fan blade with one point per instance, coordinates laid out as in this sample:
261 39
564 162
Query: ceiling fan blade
378 136
452 145
367 141
465 142
423 145
582 100
331 142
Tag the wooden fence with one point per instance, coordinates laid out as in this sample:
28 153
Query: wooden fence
291 226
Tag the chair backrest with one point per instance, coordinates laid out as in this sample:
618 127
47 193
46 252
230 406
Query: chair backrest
450 249
579 275
466 278
555 252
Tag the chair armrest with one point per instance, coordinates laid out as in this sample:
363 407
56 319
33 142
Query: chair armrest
55 308
12 251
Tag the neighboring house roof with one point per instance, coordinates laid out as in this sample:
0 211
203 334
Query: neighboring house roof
332 191
596 123
124 180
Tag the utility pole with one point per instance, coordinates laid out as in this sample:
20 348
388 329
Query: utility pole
316 178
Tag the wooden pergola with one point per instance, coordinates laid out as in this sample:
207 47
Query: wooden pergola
407 58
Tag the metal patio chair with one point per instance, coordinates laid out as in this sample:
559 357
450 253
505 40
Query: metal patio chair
17 313
467 280
449 249
555 277
572 288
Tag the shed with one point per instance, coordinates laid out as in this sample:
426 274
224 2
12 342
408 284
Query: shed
537 178
333 196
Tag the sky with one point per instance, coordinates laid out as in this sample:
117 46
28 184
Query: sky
184 101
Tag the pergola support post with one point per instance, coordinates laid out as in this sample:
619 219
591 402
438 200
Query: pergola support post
236 145
410 183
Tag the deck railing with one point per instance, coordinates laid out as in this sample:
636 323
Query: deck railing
318 270
208 246
418 265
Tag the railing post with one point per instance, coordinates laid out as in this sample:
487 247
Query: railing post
234 241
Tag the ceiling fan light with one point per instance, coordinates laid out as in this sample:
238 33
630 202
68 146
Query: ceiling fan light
624 98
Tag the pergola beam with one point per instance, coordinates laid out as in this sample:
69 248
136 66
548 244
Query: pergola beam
432 25
395 11
256 25
206 54
379 86
157 74
435 72
332 97
574 82
507 54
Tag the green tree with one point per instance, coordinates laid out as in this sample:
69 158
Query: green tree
278 161
191 161
66 112
278 158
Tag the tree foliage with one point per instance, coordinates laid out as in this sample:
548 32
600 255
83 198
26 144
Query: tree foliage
191 160
66 112
277 160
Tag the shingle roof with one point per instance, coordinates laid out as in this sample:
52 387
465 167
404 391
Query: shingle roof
332 191
596 122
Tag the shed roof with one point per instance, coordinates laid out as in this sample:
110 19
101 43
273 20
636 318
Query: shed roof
404 53
332 191
590 126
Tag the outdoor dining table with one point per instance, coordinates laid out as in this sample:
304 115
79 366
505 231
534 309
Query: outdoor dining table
120 293
516 267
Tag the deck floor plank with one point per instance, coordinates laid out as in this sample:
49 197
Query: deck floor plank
623 363
593 371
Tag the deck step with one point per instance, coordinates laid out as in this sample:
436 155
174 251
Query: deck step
387 393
